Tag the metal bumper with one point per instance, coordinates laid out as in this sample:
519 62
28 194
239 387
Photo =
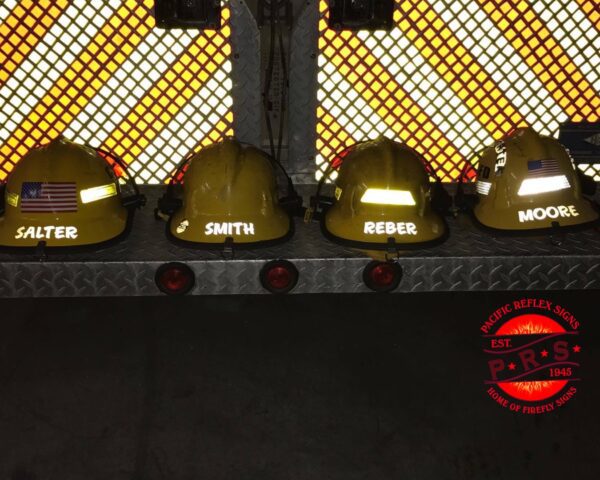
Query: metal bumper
470 260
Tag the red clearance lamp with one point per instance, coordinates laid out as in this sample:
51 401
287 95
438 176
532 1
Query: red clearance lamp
279 276
382 276
174 278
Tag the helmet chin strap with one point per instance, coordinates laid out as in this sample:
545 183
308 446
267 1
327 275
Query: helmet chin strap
588 184
2 197
168 204
228 252
462 201
558 236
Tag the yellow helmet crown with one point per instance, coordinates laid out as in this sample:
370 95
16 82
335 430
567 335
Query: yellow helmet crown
528 182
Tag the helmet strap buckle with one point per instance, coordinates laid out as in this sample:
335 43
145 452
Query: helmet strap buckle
134 201
557 237
228 250
40 251
391 248
308 214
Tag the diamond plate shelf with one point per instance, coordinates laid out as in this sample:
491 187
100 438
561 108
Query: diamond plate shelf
470 260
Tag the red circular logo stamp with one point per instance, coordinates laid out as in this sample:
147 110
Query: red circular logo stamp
532 348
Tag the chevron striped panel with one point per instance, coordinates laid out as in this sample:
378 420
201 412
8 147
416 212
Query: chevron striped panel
455 75
101 73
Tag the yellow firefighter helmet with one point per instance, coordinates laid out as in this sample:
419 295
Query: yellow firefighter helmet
528 182
67 195
228 195
383 199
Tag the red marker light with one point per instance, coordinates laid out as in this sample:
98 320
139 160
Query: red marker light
382 276
174 278
279 276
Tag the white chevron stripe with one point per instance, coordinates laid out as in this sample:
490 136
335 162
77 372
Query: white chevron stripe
186 129
6 7
590 169
60 46
575 34
428 89
130 82
351 110
347 106
502 62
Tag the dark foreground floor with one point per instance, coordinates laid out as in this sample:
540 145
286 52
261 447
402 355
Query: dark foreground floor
293 388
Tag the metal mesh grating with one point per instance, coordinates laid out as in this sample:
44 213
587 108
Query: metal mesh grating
455 75
100 73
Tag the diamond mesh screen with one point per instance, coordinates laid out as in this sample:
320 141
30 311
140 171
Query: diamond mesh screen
455 75
100 73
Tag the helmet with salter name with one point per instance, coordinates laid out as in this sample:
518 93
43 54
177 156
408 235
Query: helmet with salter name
383 198
67 195
225 194
527 182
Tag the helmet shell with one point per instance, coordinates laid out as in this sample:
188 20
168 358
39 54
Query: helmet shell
67 163
230 190
382 164
504 202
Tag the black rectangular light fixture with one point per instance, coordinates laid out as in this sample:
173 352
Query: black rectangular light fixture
361 14
198 14
582 139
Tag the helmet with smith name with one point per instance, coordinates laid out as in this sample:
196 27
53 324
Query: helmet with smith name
528 182
228 194
383 199
67 195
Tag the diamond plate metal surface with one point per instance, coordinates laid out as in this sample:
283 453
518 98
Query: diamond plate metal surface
469 260
245 73
303 97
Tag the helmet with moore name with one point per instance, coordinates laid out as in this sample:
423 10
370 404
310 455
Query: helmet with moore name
528 182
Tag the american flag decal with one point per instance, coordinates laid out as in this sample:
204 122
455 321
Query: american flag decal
51 197
543 168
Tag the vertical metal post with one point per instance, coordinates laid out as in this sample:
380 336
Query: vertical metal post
303 93
245 73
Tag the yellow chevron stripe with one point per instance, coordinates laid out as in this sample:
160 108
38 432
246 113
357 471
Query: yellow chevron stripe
546 58
332 137
222 129
170 93
465 76
395 107
592 9
83 79
23 29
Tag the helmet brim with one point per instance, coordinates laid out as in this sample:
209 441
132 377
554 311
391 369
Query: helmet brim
90 235
195 238
426 238
507 219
